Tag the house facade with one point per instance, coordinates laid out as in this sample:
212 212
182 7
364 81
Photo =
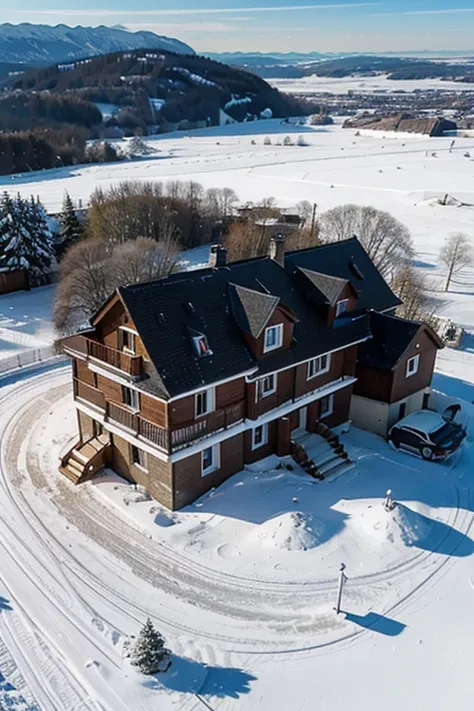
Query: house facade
182 381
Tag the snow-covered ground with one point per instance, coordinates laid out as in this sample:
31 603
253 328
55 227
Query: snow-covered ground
404 174
26 321
242 583
366 85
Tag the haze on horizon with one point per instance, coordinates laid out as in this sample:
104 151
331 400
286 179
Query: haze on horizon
275 25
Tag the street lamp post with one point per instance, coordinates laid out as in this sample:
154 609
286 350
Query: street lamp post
342 580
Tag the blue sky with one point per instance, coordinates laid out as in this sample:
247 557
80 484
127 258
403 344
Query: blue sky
273 25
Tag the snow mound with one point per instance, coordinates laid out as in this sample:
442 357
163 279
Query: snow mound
400 525
291 531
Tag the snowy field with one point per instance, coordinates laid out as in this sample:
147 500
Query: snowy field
242 583
380 84
403 174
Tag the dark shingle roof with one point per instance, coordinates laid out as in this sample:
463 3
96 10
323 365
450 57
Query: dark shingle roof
392 337
252 309
328 286
204 301
347 260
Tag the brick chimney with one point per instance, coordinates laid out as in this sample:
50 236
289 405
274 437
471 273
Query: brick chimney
217 256
277 249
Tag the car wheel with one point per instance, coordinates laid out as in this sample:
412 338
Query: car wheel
426 453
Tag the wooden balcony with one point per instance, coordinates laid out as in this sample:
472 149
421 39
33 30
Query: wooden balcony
126 362
86 392
168 440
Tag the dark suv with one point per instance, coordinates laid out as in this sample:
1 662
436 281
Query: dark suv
427 434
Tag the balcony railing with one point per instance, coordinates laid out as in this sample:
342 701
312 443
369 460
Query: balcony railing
168 440
87 392
126 362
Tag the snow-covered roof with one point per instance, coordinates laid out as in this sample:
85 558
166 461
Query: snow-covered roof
424 420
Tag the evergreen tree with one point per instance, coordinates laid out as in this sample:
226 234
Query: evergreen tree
149 653
70 227
25 238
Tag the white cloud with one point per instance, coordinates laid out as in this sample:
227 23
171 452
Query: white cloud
443 11
199 11
177 27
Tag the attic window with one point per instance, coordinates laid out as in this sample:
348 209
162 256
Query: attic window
273 337
201 345
341 307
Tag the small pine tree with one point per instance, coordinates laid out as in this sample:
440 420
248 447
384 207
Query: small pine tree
267 141
25 238
70 227
149 653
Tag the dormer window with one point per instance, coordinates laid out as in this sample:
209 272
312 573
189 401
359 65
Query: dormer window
273 338
201 346
341 307
127 341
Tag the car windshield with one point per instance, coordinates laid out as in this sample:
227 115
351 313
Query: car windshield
444 432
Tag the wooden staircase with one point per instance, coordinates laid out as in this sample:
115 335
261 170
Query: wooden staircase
85 460
322 455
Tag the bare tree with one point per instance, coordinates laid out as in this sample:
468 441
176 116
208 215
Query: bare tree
92 269
144 260
387 242
456 255
413 290
221 201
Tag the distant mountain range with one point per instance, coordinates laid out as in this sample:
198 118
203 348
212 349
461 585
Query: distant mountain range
43 44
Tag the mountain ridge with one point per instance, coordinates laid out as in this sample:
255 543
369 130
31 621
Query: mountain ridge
29 43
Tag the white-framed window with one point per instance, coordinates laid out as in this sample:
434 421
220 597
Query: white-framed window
318 366
201 345
326 406
139 458
341 307
210 460
126 341
204 402
412 366
259 436
267 386
130 398
273 338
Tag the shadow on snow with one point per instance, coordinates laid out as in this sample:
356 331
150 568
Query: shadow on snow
376 623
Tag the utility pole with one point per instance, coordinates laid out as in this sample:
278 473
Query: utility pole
313 219
342 580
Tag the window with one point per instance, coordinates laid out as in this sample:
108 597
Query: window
130 398
139 457
341 307
267 386
201 345
126 341
204 402
210 460
412 366
318 365
326 406
259 436
273 338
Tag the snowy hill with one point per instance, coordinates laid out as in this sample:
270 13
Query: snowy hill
43 44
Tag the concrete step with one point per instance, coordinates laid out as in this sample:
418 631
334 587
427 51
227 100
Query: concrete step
70 474
329 464
338 470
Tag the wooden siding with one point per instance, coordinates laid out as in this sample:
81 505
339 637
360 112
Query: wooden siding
183 411
82 372
342 404
188 482
157 480
111 390
392 386
304 386
13 281
253 455
154 410
284 393
402 386
373 384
